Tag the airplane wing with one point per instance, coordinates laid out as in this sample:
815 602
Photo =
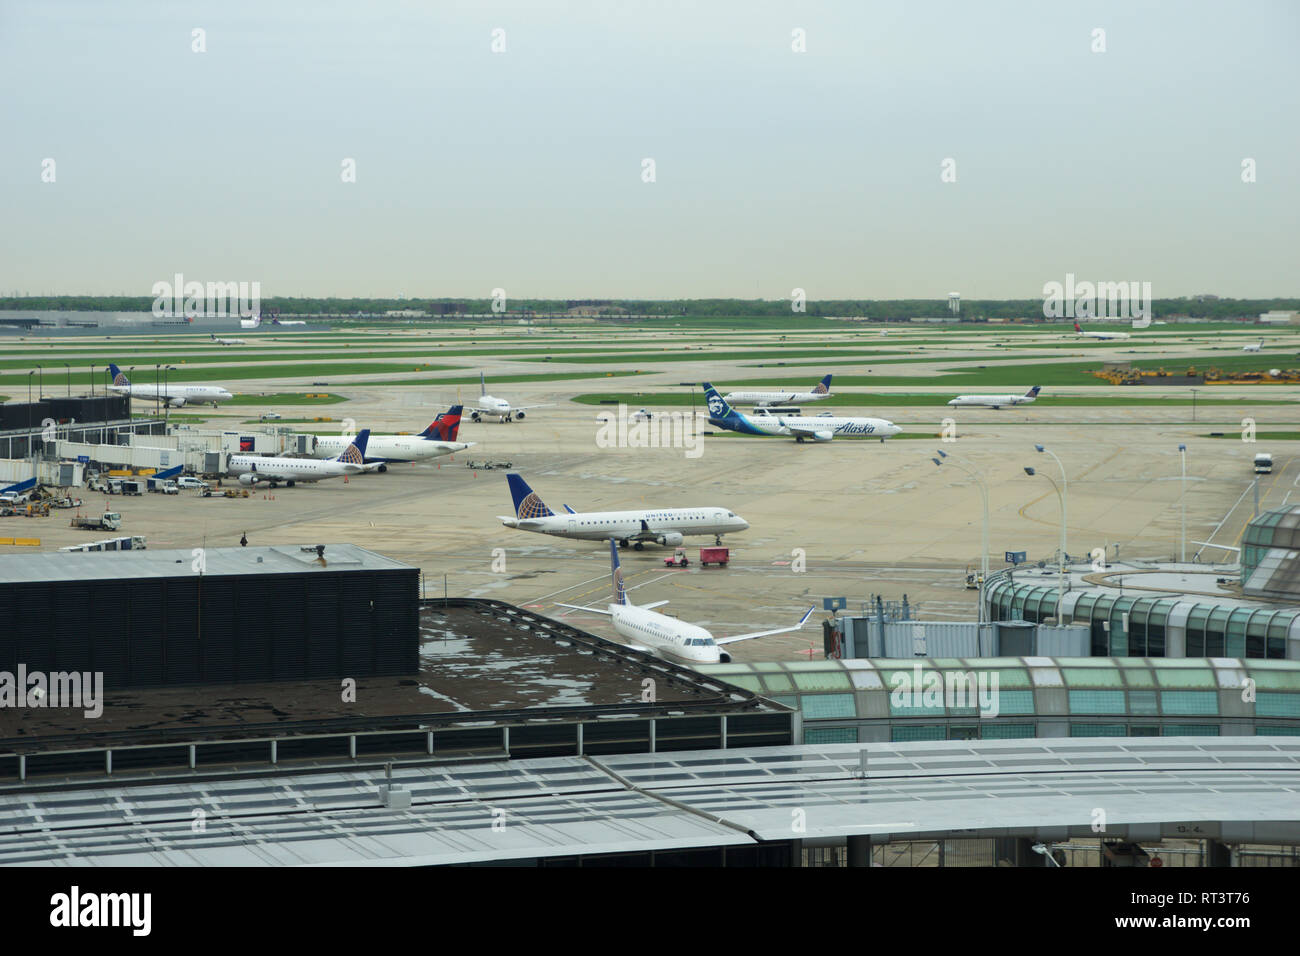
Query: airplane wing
796 431
1221 547
780 630
579 607
524 408
654 604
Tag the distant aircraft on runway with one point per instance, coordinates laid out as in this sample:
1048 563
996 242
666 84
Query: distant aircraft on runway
252 323
498 408
436 440
665 526
170 394
1253 348
819 428
1103 336
667 636
227 341
760 399
995 401
286 322
255 469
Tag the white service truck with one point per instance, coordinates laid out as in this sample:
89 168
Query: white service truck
1263 463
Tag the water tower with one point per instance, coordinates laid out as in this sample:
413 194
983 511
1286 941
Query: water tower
954 303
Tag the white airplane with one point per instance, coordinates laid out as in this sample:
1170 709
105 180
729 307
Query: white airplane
287 322
1103 336
252 323
996 401
1253 348
759 399
665 526
664 635
255 469
227 341
821 428
173 395
436 440
498 408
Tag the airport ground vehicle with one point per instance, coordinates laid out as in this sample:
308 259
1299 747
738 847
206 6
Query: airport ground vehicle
189 481
14 498
678 559
166 487
488 465
718 556
133 487
108 521
1263 463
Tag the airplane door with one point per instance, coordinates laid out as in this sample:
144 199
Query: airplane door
573 526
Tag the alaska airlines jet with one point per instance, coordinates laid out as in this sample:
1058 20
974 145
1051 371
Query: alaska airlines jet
759 399
1103 336
173 395
254 469
667 636
666 526
436 440
823 427
498 408
996 401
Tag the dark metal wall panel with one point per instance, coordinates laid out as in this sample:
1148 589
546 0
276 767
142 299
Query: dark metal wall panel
181 638
288 632
145 627
324 648
35 648
217 622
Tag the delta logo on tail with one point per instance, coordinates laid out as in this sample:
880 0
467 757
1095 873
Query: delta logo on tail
445 427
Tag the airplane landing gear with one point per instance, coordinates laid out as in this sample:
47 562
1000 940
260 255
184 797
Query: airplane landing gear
623 543
289 484
638 546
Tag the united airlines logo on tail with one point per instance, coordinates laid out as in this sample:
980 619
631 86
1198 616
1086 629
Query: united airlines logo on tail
352 456
532 507
821 388
121 379
620 595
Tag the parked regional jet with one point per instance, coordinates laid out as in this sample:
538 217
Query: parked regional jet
227 341
761 398
822 427
252 323
254 469
664 635
173 395
1103 336
1253 348
287 322
436 440
666 526
498 408
996 401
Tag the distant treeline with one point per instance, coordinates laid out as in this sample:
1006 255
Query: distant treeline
880 309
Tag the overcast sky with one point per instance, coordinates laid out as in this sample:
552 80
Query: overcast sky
774 169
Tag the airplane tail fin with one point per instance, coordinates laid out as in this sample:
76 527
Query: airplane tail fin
482 384
823 387
719 410
119 377
1033 392
527 504
1076 327
620 592
355 453
445 426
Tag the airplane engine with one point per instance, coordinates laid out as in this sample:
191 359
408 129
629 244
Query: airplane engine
823 436
724 657
673 540
249 478
176 402
519 415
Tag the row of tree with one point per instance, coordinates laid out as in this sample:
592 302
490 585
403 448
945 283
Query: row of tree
879 309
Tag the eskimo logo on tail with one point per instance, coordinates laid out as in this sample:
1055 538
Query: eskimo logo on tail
718 407
823 387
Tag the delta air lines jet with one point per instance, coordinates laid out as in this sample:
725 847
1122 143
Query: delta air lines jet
666 636
382 450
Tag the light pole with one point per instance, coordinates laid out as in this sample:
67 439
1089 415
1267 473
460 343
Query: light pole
68 369
92 380
1060 565
984 540
1182 505
1194 404
1065 497
40 384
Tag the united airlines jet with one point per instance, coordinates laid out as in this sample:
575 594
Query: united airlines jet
173 395
255 469
996 401
667 636
799 427
762 398
665 526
